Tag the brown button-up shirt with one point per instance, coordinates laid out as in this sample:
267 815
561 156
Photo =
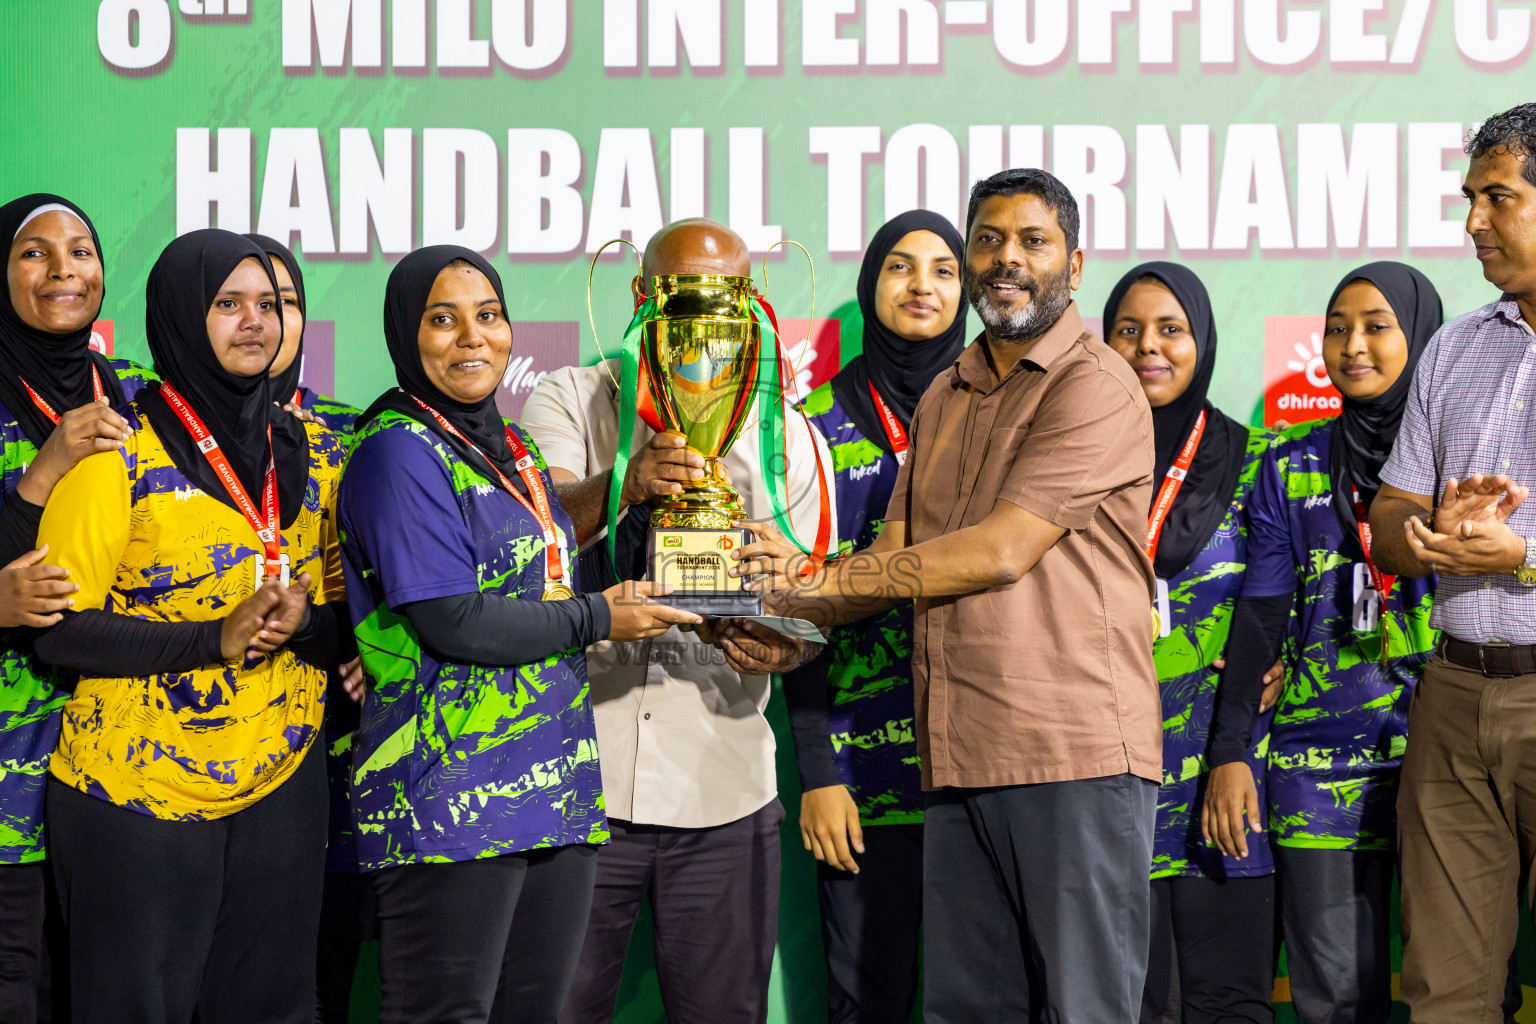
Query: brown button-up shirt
1050 678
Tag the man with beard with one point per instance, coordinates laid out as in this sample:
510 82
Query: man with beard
1019 524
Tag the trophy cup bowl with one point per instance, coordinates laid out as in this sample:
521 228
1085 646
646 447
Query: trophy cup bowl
700 355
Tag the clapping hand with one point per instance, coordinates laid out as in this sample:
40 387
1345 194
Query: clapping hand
1471 535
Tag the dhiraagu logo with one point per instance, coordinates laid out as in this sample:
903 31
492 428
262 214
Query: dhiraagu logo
1296 384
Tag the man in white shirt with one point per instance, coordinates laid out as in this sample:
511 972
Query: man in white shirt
687 756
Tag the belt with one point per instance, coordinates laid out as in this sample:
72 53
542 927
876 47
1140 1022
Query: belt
1497 661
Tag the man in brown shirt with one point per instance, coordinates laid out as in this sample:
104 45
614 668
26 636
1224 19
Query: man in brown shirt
1018 525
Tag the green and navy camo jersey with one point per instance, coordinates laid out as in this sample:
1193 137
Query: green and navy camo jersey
1336 743
338 416
30 695
341 711
1201 600
869 663
451 761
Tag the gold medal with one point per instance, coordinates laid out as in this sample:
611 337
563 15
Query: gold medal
557 592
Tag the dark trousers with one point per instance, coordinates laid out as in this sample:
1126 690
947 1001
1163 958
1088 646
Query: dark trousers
34 981
171 921
1335 908
492 940
348 916
1466 822
871 923
1035 902
714 896
1219 936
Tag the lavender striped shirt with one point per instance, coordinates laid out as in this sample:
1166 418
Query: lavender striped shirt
1473 410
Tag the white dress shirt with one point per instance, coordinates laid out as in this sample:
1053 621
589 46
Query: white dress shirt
681 735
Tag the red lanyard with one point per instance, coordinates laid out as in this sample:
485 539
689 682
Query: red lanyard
1380 580
1171 484
298 396
554 568
47 410
271 542
894 431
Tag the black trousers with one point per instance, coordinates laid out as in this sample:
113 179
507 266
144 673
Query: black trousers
1335 909
34 980
171 921
871 924
714 896
479 941
1219 935
1035 902
348 917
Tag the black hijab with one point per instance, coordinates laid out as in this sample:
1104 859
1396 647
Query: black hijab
405 300
237 410
58 366
1361 437
287 382
901 370
1207 491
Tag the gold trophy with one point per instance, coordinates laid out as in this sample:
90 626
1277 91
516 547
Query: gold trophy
695 346
700 355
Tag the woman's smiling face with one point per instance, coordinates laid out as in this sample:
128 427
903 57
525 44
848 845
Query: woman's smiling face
464 338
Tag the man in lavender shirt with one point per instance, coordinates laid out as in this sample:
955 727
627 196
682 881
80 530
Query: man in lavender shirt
1466 806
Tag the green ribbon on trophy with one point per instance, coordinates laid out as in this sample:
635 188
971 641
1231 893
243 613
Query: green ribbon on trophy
709 351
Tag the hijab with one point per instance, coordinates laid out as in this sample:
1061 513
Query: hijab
405 300
900 370
287 382
236 410
58 366
1361 437
1207 491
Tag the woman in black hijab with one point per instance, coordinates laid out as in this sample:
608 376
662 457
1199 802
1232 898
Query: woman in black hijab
287 390
50 418
186 819
1356 642
468 610
347 918
1213 916
869 801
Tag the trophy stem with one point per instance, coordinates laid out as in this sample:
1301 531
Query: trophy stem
709 504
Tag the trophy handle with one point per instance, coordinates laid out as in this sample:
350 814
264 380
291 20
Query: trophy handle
811 323
639 270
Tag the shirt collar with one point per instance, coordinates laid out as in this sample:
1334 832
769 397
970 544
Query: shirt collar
1508 310
971 366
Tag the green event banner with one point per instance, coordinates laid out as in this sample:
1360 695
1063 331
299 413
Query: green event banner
1270 144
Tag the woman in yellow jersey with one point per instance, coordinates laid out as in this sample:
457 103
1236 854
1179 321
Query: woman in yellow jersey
187 823
56 402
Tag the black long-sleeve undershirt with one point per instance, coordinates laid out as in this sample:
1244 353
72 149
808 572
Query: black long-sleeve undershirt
810 724
489 629
19 520
95 642
1258 627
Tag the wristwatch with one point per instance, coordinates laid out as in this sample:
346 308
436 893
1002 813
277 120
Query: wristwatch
1525 575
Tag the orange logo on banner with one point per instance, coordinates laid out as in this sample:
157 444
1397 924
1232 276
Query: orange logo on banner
101 337
725 543
1296 384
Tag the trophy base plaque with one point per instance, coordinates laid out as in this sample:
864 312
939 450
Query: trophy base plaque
696 563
